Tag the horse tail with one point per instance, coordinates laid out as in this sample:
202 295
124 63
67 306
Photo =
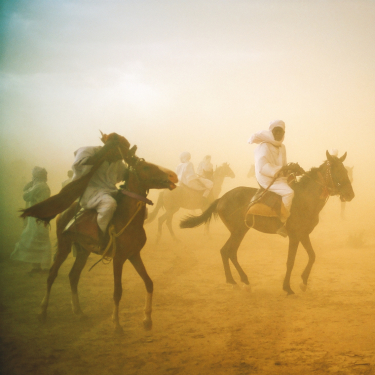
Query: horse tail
195 221
159 205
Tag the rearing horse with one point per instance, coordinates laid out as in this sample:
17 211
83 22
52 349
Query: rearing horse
311 194
184 197
128 236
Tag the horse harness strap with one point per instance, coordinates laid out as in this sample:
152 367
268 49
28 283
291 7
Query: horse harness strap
137 196
113 235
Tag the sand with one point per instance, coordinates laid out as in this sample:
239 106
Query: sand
201 325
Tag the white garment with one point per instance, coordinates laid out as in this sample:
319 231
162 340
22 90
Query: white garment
205 168
102 185
34 245
270 157
187 176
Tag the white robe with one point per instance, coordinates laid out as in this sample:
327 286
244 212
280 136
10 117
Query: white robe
102 185
34 245
187 176
270 157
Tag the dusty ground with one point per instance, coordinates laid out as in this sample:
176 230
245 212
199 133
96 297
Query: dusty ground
202 325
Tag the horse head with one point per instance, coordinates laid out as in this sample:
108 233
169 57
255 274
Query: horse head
150 176
224 171
341 184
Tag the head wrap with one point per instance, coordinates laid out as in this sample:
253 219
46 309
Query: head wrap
334 152
277 124
185 157
39 173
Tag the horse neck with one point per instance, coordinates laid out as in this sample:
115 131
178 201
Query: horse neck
313 193
127 206
218 177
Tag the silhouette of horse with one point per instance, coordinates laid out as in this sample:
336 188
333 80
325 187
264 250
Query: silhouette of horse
311 194
184 197
343 204
127 236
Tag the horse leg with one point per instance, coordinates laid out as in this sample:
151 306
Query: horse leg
161 220
117 292
62 253
233 257
74 276
311 253
137 262
227 251
293 246
169 226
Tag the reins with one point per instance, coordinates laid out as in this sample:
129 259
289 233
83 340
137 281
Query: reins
113 235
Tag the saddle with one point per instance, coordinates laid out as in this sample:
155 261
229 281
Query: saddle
267 204
83 227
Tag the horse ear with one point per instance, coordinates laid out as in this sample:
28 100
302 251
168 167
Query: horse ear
133 150
343 157
329 156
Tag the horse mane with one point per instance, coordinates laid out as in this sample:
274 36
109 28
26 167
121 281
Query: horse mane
306 178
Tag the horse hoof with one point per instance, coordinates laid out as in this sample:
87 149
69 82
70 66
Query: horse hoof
235 287
42 317
303 287
246 288
119 331
147 325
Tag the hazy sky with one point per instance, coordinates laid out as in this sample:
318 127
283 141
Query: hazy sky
198 76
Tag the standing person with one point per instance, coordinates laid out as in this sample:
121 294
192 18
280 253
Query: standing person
34 245
69 179
187 176
270 162
205 168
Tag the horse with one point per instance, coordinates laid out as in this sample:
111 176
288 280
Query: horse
311 193
343 204
126 241
184 197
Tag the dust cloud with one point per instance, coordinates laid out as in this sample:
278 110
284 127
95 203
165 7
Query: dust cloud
199 77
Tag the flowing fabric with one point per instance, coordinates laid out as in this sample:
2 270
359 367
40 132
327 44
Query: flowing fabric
52 206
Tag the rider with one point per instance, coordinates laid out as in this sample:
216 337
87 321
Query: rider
187 176
270 164
205 168
101 189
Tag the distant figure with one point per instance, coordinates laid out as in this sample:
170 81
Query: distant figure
69 179
34 245
251 172
335 152
205 168
187 176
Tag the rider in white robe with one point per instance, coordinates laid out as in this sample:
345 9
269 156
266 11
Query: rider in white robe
187 176
270 158
34 245
101 189
205 168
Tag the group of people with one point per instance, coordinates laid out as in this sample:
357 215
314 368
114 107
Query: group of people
34 245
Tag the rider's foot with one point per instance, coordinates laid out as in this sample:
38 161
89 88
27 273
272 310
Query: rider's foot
282 231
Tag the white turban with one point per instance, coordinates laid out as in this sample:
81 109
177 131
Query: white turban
277 124
185 157
334 152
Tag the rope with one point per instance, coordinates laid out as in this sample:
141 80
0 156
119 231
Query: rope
113 235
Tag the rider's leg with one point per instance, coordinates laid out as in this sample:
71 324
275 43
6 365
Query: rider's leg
106 208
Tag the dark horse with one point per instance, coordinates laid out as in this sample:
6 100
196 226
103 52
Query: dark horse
128 236
311 194
184 197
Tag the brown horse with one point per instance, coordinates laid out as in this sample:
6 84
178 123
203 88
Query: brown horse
128 236
184 197
311 194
